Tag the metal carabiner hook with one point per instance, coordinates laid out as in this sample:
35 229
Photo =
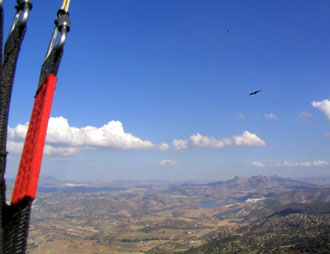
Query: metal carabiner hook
22 12
62 28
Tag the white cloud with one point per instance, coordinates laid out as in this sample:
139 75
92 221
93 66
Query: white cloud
324 106
321 163
17 147
14 146
241 116
206 142
163 147
318 163
110 135
304 164
180 144
168 163
66 140
258 164
246 139
18 133
60 151
270 116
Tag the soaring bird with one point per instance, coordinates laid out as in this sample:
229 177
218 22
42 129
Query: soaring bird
255 92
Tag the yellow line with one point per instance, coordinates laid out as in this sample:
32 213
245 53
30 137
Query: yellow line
65 5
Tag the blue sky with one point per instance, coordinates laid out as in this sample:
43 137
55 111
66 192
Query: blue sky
164 89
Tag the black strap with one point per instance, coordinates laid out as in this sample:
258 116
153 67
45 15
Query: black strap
2 148
7 74
16 227
12 48
51 64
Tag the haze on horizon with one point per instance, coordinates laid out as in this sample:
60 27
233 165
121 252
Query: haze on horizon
160 90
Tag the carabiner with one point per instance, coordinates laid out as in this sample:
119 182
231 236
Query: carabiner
62 27
23 8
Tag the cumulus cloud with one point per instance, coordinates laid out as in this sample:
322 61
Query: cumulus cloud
270 116
163 147
180 144
318 163
110 135
14 146
66 140
324 106
60 151
258 164
246 139
17 147
168 163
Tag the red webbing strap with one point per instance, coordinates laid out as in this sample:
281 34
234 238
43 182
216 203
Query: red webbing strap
29 168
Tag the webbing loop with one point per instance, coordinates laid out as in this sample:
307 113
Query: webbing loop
11 52
55 49
2 149
23 8
7 73
62 27
8 68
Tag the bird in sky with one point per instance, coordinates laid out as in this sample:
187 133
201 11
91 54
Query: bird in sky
255 92
228 30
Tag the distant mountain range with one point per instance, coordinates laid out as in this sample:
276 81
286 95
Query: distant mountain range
237 189
240 189
262 183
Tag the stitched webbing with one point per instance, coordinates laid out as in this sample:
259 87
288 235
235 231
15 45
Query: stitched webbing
7 74
16 227
12 49
51 64
29 168
2 149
